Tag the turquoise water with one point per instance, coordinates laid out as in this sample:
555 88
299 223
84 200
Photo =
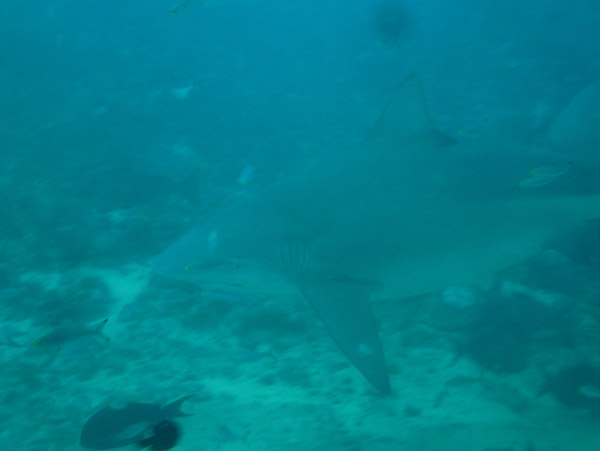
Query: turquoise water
259 126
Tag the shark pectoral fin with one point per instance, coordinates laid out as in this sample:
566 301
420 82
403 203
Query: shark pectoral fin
342 305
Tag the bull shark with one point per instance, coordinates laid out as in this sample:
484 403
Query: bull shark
406 212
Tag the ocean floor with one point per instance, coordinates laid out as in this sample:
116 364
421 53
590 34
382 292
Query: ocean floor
265 375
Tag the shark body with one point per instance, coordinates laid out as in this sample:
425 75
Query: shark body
409 211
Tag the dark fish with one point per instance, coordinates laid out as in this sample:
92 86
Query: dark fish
392 21
226 434
457 381
69 332
581 243
576 387
113 428
254 356
165 435
462 381
180 6
500 449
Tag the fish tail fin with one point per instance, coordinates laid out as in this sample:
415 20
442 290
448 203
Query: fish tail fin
173 410
98 330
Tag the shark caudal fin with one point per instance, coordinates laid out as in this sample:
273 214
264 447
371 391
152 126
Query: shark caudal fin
342 305
406 118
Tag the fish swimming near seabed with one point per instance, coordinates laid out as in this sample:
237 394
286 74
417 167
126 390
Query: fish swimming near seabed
408 211
69 332
455 382
113 427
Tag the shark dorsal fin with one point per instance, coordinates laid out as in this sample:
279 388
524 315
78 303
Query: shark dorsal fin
405 119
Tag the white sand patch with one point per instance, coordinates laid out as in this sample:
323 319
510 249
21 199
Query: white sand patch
124 284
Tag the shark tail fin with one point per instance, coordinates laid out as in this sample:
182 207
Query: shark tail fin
406 119
342 305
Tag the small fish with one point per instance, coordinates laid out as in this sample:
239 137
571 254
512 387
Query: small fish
69 332
511 448
254 356
180 6
457 381
226 435
222 297
247 175
461 381
439 399
542 176
182 93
